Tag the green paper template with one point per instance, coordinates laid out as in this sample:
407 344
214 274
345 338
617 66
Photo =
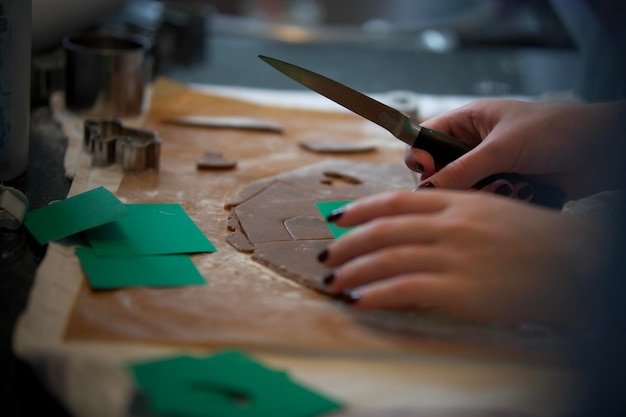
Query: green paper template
149 229
132 271
327 207
227 384
74 214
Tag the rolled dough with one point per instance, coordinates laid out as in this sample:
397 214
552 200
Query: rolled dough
276 220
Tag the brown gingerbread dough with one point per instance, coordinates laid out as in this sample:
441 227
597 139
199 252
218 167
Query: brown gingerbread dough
276 219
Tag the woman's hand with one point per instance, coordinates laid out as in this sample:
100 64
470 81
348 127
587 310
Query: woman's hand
474 255
562 144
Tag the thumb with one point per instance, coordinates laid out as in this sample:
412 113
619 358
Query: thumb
462 173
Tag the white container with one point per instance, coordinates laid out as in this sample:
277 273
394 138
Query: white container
15 54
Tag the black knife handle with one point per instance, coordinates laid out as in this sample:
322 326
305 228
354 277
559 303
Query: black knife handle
445 149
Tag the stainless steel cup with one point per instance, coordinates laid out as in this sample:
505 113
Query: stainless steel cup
106 74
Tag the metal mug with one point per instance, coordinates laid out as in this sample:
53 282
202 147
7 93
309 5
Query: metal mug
106 74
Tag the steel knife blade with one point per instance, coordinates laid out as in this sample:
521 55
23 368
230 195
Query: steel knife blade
442 147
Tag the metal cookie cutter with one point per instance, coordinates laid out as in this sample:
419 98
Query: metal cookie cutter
109 142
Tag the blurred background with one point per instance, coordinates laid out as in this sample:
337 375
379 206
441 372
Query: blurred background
459 47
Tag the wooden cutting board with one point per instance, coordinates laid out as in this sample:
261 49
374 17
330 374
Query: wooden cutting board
245 304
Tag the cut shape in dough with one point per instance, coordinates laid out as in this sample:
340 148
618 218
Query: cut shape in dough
307 227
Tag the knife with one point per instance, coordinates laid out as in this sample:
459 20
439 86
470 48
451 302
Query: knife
442 147
225 122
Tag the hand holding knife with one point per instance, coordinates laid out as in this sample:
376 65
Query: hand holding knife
443 148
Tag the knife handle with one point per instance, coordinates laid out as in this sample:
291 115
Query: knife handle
445 149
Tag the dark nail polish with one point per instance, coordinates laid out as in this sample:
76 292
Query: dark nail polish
504 190
526 192
329 278
335 215
323 256
348 297
427 185
419 168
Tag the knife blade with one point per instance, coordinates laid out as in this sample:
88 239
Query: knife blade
442 147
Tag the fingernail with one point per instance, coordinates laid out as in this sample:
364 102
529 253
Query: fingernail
419 168
526 192
504 190
323 256
328 279
350 297
427 185
335 215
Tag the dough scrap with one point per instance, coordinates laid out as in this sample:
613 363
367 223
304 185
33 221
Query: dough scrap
214 160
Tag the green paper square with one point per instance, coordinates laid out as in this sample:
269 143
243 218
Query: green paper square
74 214
228 384
131 271
327 207
149 229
